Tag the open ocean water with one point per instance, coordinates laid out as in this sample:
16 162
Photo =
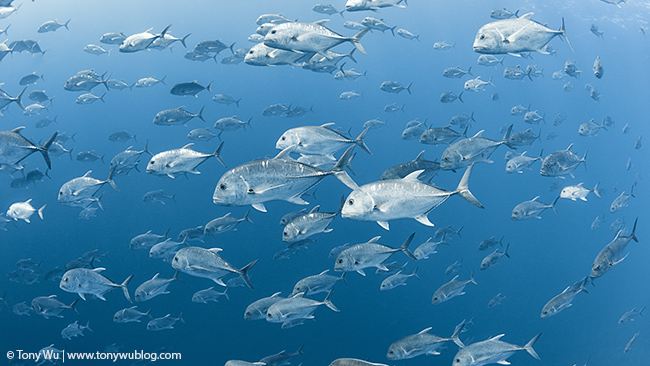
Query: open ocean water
547 255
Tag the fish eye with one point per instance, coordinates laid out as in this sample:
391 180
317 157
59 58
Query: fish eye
482 36
273 32
175 259
283 138
285 233
391 352
350 202
151 162
65 279
340 260
79 285
222 186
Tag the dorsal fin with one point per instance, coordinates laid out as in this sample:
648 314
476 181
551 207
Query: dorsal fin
327 125
375 239
187 146
496 338
99 269
419 157
284 154
425 330
215 250
478 134
569 148
87 173
414 175
535 199
526 16
18 129
315 209
322 21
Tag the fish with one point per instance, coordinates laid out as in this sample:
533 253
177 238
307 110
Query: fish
408 35
489 60
206 263
146 240
327 9
503 13
394 87
629 316
280 178
493 258
176 116
158 196
476 149
571 69
180 161
393 107
564 299
456 72
450 97
224 224
578 192
590 128
309 37
94 49
47 306
189 88
399 171
427 248
369 254
598 68
74 330
84 82
621 201
451 289
141 41
113 38
166 249
83 281
81 191
477 84
312 223
516 73
52 25
492 350
257 309
612 253
597 221
517 164
209 294
154 287
30 79
377 24
129 315
523 138
397 279
422 343
350 95
628 346
560 163
166 322
441 135
315 284
89 156
374 5
496 300
443 46
409 197
282 358
149 82
88 98
514 36
226 99
532 208
6 99
23 211
14 148
296 308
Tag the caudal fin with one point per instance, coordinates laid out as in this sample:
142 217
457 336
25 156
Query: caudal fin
339 169
43 149
529 346
563 34
243 273
356 40
125 289
329 302
359 140
463 188
457 331
405 247
633 235
217 154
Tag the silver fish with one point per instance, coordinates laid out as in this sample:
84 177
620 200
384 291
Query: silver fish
492 350
180 161
612 253
451 289
564 299
83 281
369 254
154 287
206 263
422 343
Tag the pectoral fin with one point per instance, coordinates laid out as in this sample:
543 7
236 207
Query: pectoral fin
423 219
259 207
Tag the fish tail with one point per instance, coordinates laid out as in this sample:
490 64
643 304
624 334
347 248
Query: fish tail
237 102
457 331
633 235
88 326
17 99
231 48
584 159
469 71
505 252
209 85
43 149
105 82
356 40
463 188
66 24
359 140
110 180
349 55
562 32
328 302
40 212
460 97
183 40
248 123
506 139
529 346
217 154
339 169
125 289
72 306
200 114
596 192
471 278
405 247
553 204
244 273
415 273
246 218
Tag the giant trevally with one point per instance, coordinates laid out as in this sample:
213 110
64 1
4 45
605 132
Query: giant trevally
206 263
141 41
309 224
180 161
492 350
309 37
176 116
612 254
296 308
14 147
257 309
401 198
369 254
560 163
564 299
423 343
80 192
318 140
374 5
263 55
84 281
402 170
476 149
515 36
280 178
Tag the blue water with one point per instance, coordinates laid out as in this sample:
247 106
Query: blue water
547 255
